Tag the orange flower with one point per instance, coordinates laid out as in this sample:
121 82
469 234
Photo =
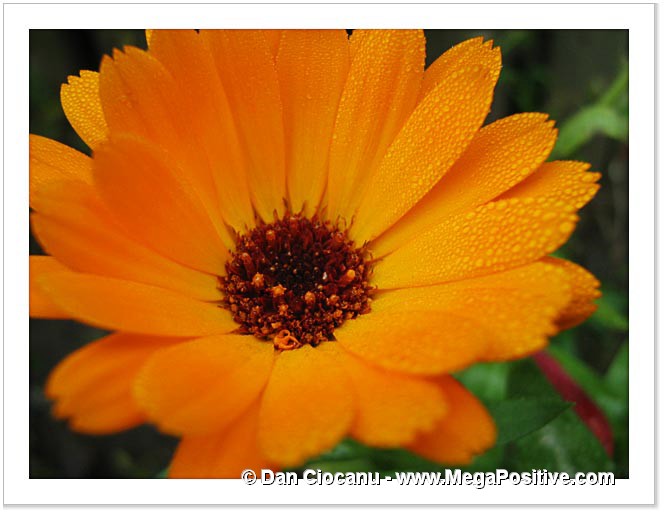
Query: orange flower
298 236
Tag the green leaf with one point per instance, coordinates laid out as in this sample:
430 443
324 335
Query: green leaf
345 450
609 313
609 392
348 455
608 116
519 417
616 377
387 460
527 381
487 381
585 124
617 93
564 444
616 380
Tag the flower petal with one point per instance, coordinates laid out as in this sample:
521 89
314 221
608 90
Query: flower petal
494 237
83 107
307 406
564 181
392 408
188 59
222 455
51 161
467 430
468 53
41 306
430 142
144 193
584 287
274 38
133 307
211 381
72 224
498 157
414 341
379 95
246 68
141 98
312 66
92 387
516 309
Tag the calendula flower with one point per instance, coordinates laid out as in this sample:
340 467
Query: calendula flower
297 236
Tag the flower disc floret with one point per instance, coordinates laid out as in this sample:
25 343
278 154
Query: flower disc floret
295 280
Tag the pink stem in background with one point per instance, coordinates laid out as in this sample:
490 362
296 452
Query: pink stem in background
588 411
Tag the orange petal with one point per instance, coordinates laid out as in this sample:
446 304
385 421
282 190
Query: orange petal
311 66
392 408
148 35
468 53
494 237
143 191
187 58
584 287
92 387
307 406
133 307
430 142
498 157
211 381
467 430
41 306
564 181
83 107
516 309
379 95
141 98
51 161
221 455
416 342
246 68
72 224
274 37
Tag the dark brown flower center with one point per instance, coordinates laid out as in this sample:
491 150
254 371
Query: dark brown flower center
295 280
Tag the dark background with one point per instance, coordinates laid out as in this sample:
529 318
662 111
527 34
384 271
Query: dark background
578 77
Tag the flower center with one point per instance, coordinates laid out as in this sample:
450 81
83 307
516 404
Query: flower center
295 280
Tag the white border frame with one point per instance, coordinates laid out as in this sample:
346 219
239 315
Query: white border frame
19 18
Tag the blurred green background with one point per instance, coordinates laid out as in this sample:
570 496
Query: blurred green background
580 78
